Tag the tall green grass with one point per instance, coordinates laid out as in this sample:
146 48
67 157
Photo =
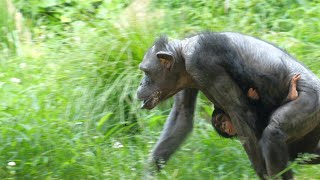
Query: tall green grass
8 36
68 107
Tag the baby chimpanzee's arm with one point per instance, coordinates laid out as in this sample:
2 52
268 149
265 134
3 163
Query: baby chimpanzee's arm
253 94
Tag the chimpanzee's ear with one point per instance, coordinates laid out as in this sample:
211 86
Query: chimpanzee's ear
165 58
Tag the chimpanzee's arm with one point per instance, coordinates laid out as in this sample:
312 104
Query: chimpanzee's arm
178 125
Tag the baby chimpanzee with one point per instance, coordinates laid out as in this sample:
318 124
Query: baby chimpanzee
222 123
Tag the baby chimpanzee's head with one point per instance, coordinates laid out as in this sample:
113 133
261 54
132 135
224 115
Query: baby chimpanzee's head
223 125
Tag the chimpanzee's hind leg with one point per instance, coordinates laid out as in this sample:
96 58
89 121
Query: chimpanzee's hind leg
314 160
308 144
288 123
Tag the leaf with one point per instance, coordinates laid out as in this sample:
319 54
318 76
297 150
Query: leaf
112 131
104 119
65 19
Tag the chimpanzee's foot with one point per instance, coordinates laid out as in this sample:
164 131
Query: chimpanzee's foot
293 93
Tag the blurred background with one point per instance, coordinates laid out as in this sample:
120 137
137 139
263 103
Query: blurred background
69 74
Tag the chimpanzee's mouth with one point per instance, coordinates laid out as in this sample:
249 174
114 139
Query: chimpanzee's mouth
152 101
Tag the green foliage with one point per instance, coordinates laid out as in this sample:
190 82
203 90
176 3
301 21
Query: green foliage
60 16
8 35
69 109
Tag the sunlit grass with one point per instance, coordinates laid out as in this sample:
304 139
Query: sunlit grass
68 107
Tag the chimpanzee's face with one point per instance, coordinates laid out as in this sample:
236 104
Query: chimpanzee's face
161 78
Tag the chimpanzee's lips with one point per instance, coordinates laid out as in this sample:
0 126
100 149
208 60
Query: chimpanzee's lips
152 101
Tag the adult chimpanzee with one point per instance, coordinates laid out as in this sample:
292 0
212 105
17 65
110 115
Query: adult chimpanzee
222 123
224 66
